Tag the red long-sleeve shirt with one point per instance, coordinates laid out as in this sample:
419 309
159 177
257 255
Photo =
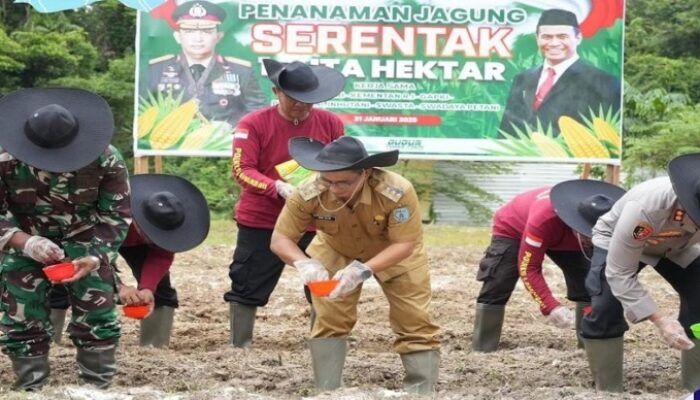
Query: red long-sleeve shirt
259 144
530 218
156 263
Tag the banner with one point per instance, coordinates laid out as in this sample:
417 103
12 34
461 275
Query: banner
433 79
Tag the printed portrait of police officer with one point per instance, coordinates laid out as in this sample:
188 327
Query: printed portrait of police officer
225 87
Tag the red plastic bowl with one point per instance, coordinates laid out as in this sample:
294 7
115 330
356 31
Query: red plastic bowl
322 288
136 312
59 272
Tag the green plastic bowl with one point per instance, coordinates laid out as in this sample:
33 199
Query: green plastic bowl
696 330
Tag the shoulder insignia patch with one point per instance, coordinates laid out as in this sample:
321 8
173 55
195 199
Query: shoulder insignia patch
311 189
642 231
392 193
162 58
239 61
678 215
401 214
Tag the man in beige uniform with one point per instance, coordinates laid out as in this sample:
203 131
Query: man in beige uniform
367 223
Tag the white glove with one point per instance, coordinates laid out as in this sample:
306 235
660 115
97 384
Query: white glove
562 318
42 249
349 278
673 334
284 189
311 270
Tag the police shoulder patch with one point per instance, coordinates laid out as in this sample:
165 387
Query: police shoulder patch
642 231
162 58
239 61
401 214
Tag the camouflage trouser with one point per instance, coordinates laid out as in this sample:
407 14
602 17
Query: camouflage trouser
24 309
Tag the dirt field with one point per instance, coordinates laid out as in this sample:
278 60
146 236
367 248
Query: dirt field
535 361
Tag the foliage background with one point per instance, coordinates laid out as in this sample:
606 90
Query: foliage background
93 48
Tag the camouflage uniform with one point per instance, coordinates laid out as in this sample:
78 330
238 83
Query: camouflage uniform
86 212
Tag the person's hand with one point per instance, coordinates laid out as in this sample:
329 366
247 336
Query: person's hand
562 318
146 296
672 333
129 295
83 267
311 270
349 278
284 189
42 249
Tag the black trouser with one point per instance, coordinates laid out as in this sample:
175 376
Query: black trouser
498 270
165 294
255 269
135 256
606 319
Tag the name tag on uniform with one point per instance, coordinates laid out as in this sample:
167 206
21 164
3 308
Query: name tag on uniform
324 217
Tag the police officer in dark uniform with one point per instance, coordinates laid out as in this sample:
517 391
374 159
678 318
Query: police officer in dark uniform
225 87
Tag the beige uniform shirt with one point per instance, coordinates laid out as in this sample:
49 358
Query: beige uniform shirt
385 213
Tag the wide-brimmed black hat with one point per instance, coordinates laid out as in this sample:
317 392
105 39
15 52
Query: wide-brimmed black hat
683 171
169 210
557 16
306 83
580 202
342 154
55 129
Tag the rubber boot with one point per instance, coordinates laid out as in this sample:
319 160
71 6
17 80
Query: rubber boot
97 366
328 358
421 371
155 330
32 372
58 319
690 367
605 361
579 316
488 323
242 319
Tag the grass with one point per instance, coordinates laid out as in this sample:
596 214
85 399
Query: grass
223 232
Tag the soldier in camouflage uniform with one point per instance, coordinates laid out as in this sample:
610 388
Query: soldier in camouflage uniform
64 195
225 87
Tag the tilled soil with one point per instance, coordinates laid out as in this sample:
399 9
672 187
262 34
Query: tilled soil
534 361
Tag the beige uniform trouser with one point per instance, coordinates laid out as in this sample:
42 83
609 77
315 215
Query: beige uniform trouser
409 296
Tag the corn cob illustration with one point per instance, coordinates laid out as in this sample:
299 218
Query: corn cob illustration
548 146
196 139
170 130
146 121
605 131
580 141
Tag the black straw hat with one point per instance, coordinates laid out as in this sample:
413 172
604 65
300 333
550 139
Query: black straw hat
580 202
683 171
342 154
169 210
306 83
55 129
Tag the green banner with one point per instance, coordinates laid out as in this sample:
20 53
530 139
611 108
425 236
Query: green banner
494 80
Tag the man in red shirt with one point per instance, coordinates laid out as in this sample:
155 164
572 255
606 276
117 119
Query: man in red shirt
524 231
170 215
260 144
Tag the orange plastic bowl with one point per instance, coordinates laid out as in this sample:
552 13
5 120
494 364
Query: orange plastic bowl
59 272
136 312
322 288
